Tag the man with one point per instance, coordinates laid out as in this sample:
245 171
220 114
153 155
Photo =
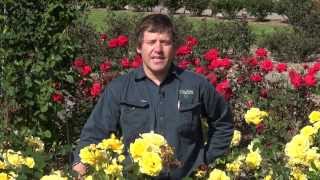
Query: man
163 98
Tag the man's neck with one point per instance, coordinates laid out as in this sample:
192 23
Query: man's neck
158 77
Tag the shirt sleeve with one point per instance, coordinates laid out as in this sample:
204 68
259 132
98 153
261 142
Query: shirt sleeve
220 123
102 122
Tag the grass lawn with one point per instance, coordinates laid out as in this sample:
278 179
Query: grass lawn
96 17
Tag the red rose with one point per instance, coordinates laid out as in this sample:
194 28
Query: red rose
122 40
79 62
224 89
260 128
197 62
85 70
95 89
57 97
183 64
212 78
106 66
211 55
191 41
200 70
314 68
113 43
103 36
183 50
251 61
225 63
240 80
310 80
264 93
266 65
256 77
125 63
137 61
295 79
213 64
249 104
282 67
261 52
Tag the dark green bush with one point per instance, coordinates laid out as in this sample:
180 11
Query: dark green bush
229 8
173 5
196 7
143 4
36 50
259 9
292 46
232 38
116 4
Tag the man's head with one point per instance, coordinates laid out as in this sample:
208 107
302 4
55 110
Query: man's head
155 23
156 44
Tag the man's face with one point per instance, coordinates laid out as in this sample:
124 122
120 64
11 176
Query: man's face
157 51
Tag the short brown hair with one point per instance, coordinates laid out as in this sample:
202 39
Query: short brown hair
155 23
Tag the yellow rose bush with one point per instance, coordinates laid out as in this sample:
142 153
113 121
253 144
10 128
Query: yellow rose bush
105 160
152 154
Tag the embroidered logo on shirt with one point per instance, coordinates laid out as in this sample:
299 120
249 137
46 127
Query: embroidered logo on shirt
186 91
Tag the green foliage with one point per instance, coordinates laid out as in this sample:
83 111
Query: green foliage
143 4
259 9
232 38
116 4
196 7
173 5
37 52
229 8
291 46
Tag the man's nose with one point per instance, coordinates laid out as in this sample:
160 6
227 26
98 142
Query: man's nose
158 47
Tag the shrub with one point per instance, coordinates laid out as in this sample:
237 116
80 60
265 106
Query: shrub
229 8
196 7
173 5
291 46
259 9
233 38
143 4
116 4
37 54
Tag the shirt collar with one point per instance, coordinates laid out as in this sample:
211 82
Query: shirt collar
174 70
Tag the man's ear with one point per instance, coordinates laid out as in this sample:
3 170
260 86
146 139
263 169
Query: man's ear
138 50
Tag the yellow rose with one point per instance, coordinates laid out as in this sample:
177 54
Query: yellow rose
254 116
236 138
35 142
155 139
150 164
253 159
314 116
29 162
297 174
112 143
2 165
312 155
308 131
4 176
268 177
234 167
88 178
296 149
14 158
138 148
114 169
217 174
56 175
91 155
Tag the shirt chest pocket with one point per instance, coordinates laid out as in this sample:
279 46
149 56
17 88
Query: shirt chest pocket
189 121
134 111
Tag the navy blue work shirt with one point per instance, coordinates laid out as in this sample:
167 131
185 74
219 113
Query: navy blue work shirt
132 104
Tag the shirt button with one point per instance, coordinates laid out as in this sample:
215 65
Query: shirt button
161 102
161 117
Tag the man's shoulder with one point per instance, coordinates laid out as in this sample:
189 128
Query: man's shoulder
192 77
122 79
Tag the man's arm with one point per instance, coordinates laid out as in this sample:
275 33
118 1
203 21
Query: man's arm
220 123
101 123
